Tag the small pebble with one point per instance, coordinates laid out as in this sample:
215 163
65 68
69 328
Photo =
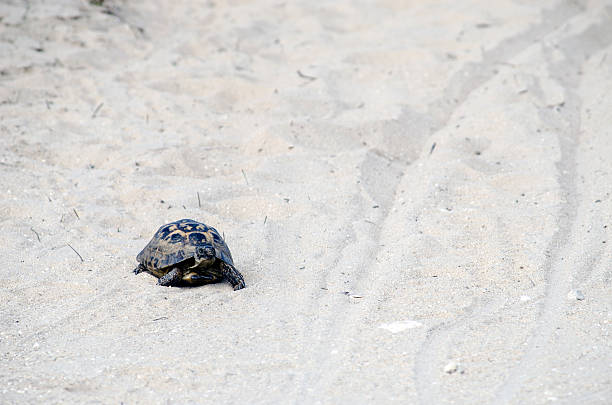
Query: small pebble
400 326
575 295
451 368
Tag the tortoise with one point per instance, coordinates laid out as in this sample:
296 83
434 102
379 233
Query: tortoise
187 252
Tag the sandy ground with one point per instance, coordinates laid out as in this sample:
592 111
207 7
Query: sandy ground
413 190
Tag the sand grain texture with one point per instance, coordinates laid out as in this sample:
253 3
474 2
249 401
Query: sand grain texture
407 188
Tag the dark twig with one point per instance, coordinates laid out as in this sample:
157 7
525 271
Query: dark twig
532 282
160 318
245 177
80 257
109 11
96 110
27 11
265 219
307 77
75 213
35 233
433 146
199 202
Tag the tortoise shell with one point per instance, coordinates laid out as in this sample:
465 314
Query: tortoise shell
177 241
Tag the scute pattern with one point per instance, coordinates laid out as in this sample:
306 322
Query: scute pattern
176 242
197 238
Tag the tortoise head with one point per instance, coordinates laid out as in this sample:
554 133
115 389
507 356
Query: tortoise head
204 256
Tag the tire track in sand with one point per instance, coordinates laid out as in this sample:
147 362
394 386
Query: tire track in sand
427 364
320 337
560 272
344 317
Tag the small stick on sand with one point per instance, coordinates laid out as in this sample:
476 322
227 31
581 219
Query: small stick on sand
245 177
199 202
80 257
265 219
433 146
75 213
303 76
35 233
532 282
93 115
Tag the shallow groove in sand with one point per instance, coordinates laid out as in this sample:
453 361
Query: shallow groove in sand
331 326
345 318
427 370
560 268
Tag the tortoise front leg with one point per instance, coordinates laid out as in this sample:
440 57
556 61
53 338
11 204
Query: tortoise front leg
232 275
172 278
139 269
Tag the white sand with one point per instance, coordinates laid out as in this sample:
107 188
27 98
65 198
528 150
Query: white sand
307 128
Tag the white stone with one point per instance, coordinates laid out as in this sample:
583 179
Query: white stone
399 326
451 367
